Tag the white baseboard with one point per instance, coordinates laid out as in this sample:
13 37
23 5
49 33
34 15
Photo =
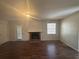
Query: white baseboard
3 42
69 45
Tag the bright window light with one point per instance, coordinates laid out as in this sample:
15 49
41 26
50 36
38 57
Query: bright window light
19 32
51 28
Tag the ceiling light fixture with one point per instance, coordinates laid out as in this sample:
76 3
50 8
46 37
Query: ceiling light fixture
28 15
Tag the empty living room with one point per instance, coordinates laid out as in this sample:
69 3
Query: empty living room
39 29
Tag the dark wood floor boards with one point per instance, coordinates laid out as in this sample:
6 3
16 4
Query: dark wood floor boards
37 50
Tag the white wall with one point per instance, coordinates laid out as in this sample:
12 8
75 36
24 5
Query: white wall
78 41
4 33
12 30
31 25
78 34
69 31
27 26
8 29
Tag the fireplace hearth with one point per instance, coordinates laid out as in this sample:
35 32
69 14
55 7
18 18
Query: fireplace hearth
34 35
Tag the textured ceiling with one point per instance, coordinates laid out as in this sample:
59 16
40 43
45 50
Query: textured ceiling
42 9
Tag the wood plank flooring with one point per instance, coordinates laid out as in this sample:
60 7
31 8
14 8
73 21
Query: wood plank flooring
37 50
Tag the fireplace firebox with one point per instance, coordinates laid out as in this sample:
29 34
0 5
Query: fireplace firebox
34 35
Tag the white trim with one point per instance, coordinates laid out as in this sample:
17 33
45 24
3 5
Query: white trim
69 45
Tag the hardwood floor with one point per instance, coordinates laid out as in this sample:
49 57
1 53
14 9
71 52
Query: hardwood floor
37 50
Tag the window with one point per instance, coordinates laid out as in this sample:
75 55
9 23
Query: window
19 32
51 28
